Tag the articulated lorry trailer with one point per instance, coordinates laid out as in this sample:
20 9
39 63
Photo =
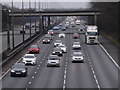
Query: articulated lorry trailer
91 35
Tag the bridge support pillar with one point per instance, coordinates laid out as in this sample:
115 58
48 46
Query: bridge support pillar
48 21
95 19
41 24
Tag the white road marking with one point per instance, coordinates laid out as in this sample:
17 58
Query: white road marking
35 72
9 70
110 56
37 68
39 65
65 72
33 77
40 40
64 76
30 82
40 62
64 82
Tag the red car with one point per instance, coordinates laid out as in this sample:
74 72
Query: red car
50 32
75 36
34 49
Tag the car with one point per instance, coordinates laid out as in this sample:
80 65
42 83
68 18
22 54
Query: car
72 24
46 40
48 36
57 42
75 36
60 24
63 48
55 28
53 60
29 59
57 51
34 49
18 69
50 32
76 45
61 35
66 26
77 57
63 28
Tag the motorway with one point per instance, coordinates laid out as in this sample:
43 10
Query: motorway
97 71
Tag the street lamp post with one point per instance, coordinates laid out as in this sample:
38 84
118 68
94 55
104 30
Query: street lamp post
23 21
12 27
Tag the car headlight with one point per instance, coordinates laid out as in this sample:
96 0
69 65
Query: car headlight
43 40
53 52
24 71
60 52
12 71
48 40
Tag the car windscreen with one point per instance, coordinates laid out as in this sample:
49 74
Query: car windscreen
18 67
34 46
92 33
28 56
53 58
77 55
76 43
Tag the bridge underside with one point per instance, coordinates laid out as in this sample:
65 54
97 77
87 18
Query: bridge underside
56 14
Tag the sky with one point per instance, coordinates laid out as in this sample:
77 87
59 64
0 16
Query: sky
55 3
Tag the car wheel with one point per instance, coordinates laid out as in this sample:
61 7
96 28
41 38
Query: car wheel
72 61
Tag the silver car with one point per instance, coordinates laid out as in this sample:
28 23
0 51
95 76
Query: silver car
53 60
77 56
57 42
76 45
63 48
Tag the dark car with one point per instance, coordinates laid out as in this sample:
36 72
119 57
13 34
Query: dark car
34 49
19 69
75 36
48 36
46 40
57 51
63 28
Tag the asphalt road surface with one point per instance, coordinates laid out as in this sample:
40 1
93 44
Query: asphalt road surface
97 71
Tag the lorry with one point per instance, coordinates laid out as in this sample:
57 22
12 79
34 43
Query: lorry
91 34
77 22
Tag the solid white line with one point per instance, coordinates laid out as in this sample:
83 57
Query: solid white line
109 56
40 40
5 74
9 70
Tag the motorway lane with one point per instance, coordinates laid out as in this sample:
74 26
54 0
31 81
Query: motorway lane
106 71
51 77
31 71
79 75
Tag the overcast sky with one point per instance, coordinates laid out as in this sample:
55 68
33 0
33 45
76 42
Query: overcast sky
55 3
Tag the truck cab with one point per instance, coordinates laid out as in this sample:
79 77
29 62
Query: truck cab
91 35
